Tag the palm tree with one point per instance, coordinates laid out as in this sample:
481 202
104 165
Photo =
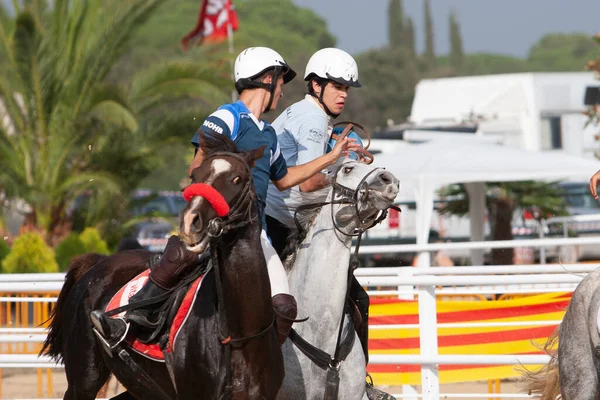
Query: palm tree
64 129
539 199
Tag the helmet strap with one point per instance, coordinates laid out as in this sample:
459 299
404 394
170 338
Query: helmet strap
320 98
270 87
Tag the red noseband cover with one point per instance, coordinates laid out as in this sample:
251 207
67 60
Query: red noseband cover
211 195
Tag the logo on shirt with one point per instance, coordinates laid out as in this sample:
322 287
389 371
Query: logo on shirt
315 135
213 126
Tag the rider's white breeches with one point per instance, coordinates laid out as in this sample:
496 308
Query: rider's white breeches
277 276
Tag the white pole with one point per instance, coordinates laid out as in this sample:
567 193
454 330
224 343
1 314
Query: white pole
232 54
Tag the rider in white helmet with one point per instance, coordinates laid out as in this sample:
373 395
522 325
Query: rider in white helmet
260 74
303 132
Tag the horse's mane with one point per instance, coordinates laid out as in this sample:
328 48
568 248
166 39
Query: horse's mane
306 219
212 143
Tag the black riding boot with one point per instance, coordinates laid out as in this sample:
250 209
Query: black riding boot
361 299
286 310
113 330
174 263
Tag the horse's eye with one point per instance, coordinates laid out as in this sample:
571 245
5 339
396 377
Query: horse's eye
236 180
347 170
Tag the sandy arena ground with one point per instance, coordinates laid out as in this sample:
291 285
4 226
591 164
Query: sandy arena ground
23 384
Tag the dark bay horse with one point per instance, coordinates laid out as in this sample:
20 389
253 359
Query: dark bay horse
227 347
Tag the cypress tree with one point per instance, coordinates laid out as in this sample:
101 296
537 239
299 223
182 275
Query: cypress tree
395 24
456 45
429 48
410 36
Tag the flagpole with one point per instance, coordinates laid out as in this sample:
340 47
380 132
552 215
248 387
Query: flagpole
232 55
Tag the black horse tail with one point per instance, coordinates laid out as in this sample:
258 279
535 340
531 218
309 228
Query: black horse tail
53 345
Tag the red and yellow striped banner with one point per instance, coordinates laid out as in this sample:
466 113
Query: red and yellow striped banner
463 340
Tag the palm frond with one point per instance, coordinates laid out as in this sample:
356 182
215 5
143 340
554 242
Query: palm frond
102 54
178 80
109 111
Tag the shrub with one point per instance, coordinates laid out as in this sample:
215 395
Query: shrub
4 250
70 247
93 242
29 253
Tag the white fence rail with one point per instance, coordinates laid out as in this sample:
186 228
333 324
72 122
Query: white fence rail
422 281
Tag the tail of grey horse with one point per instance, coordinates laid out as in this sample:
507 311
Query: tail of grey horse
572 373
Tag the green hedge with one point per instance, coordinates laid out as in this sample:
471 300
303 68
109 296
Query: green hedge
30 253
70 247
4 250
93 242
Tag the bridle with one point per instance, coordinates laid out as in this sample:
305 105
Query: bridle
240 214
341 194
344 195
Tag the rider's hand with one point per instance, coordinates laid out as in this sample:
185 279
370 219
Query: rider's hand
344 147
594 181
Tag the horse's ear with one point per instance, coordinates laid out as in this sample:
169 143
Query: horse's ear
253 155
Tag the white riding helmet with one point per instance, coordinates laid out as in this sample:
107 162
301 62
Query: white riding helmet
333 64
254 61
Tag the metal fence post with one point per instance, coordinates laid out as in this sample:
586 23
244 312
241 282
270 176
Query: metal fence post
430 380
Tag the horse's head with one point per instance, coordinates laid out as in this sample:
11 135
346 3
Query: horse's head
221 192
364 192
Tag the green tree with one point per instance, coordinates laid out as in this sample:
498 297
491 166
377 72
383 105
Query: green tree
429 54
410 36
4 250
92 241
562 52
541 199
456 45
396 28
389 78
70 247
29 253
71 131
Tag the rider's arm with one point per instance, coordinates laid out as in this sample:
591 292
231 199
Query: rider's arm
220 122
594 181
300 173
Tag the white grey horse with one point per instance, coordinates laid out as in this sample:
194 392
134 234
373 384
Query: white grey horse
573 372
318 280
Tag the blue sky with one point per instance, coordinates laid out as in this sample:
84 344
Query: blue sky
497 26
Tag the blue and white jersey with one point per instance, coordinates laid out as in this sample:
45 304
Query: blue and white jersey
303 131
248 133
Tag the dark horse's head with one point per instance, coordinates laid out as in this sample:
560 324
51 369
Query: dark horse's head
220 187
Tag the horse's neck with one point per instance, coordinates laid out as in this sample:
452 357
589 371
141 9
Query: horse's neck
245 281
319 276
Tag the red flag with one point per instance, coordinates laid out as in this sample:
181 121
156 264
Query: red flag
213 20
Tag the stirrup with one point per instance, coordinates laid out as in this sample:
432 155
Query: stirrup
100 334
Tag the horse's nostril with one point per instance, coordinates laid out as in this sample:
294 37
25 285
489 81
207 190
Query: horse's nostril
385 177
197 223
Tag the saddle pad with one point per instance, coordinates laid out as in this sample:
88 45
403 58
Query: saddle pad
122 297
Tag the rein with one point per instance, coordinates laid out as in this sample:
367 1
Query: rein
238 215
343 346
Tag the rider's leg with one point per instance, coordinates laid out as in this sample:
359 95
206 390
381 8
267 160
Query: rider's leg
361 299
174 263
279 234
284 304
